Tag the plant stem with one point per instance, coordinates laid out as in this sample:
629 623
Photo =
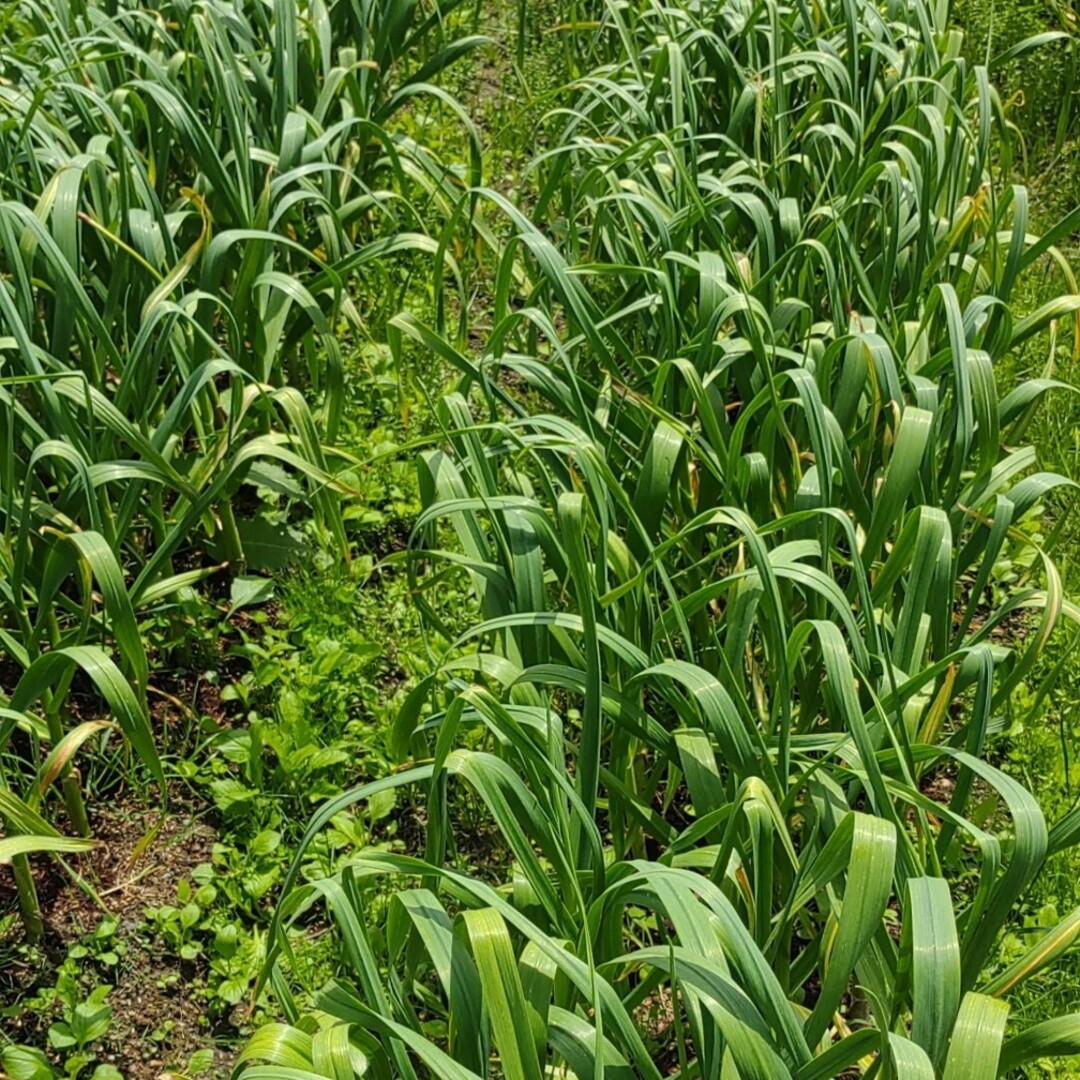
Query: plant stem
230 536
73 799
29 908
75 804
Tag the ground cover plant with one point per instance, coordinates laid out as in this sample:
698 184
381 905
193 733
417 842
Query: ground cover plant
683 458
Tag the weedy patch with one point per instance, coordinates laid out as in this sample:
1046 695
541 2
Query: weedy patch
95 997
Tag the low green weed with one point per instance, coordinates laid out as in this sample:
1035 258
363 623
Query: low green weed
217 948
75 1008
